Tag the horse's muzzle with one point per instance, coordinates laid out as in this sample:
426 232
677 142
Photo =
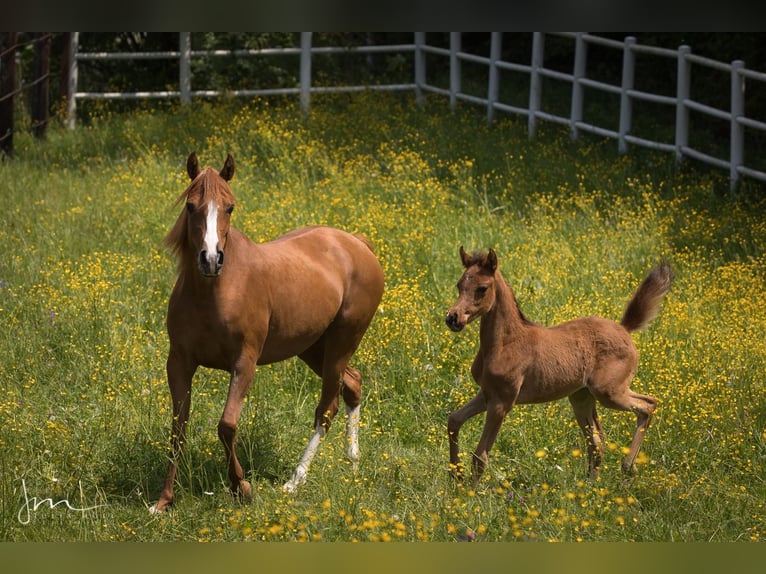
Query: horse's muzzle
453 322
210 265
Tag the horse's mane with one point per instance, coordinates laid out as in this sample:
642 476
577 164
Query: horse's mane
208 183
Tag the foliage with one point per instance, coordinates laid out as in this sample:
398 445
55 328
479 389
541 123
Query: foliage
84 407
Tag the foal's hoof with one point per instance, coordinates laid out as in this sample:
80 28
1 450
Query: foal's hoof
628 468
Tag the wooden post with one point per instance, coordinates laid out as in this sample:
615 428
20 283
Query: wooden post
626 102
495 53
454 68
683 92
535 83
737 139
305 72
578 91
41 89
184 66
71 100
7 90
420 67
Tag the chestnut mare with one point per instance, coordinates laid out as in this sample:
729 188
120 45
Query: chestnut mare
310 293
587 360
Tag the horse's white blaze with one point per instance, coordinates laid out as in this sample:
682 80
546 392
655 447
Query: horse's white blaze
211 231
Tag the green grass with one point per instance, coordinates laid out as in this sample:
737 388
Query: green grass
84 407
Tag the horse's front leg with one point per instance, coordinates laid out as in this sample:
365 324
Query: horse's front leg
239 384
180 373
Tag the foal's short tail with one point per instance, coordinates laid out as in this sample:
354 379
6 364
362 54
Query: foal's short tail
645 304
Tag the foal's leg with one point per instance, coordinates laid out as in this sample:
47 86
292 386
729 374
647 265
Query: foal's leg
456 420
180 375
496 411
615 393
584 407
239 383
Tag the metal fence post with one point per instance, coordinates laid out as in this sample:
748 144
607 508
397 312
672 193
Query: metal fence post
626 103
737 130
495 51
683 91
538 47
454 68
184 66
71 98
578 91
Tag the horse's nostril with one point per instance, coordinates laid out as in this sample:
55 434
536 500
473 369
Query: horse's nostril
220 258
203 257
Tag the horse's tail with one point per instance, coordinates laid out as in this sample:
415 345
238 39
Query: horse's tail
366 240
645 304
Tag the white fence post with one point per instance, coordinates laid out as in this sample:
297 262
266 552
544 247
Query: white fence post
538 47
184 66
626 103
683 91
305 71
495 51
737 130
454 68
420 67
580 61
71 88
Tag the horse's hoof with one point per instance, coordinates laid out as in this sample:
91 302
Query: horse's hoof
245 490
158 508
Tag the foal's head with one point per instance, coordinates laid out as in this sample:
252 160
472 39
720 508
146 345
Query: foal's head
476 289
203 227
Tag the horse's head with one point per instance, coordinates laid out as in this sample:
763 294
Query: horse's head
209 204
476 289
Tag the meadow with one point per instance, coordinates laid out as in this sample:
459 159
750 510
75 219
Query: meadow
84 284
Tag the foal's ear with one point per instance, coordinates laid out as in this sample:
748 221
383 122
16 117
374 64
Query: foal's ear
192 165
227 172
465 258
491 262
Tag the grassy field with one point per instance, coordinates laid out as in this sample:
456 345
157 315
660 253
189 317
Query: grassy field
84 283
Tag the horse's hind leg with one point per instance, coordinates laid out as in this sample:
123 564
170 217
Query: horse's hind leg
584 407
352 396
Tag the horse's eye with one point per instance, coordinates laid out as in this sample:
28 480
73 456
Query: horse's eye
189 207
481 291
229 210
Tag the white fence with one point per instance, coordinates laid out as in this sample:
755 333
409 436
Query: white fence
682 102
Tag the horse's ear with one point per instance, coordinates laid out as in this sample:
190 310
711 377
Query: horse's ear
192 165
491 261
227 172
464 258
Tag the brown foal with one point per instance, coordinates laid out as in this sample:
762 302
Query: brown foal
518 362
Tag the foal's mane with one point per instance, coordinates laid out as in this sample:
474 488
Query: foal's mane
207 185
479 258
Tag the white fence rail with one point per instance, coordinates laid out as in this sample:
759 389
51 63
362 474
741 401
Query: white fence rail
682 102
